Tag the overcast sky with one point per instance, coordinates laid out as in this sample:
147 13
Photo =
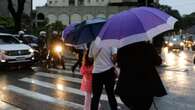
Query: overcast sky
38 3
184 6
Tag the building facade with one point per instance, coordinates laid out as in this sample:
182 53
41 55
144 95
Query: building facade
74 11
77 2
4 7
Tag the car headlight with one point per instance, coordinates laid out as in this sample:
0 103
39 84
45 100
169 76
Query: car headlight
2 56
181 44
3 52
170 44
58 49
31 50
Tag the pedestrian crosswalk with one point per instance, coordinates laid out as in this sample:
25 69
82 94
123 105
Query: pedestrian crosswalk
57 88
6 106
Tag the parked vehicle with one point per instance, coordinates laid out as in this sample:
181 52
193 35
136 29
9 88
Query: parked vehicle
31 40
13 52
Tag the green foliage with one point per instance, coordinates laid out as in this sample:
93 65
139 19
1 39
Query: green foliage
188 21
6 22
44 26
58 26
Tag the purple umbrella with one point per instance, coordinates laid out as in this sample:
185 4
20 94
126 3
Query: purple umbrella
134 25
68 29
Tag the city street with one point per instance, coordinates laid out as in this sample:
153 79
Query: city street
57 89
42 41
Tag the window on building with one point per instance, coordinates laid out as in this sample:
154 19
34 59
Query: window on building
50 2
80 2
89 1
56 2
97 0
40 16
71 2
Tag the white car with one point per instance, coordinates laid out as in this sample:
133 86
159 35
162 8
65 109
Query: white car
13 52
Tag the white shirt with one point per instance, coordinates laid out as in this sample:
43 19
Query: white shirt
82 46
103 60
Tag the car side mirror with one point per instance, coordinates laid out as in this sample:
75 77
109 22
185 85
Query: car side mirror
33 45
20 41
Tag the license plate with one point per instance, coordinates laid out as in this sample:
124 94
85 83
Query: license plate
20 58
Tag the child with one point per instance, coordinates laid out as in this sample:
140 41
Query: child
86 84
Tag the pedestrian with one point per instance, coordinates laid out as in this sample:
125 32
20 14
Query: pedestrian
86 84
103 75
21 37
79 50
42 40
138 73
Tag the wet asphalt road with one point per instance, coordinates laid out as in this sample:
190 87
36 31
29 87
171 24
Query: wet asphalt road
56 89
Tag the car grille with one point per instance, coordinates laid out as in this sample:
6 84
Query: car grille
17 52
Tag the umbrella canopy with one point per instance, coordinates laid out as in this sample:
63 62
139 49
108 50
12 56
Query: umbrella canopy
68 29
84 32
134 25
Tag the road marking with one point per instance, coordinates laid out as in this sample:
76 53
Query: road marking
43 97
64 71
57 76
62 88
6 106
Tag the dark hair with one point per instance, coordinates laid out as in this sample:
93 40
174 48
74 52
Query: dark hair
86 60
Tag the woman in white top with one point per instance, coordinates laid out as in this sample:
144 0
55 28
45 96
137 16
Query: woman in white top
103 75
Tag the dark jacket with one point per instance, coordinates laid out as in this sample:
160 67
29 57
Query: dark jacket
138 75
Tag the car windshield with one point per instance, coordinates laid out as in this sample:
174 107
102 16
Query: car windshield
31 39
175 39
4 39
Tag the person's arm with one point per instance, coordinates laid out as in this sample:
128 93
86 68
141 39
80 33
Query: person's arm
114 54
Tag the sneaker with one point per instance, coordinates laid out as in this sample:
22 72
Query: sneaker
72 70
99 106
63 67
119 108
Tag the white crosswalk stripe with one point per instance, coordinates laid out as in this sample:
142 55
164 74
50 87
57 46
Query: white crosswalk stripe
49 75
61 87
43 97
6 106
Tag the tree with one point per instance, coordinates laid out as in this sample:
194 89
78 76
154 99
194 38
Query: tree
146 3
6 22
17 15
56 26
188 21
